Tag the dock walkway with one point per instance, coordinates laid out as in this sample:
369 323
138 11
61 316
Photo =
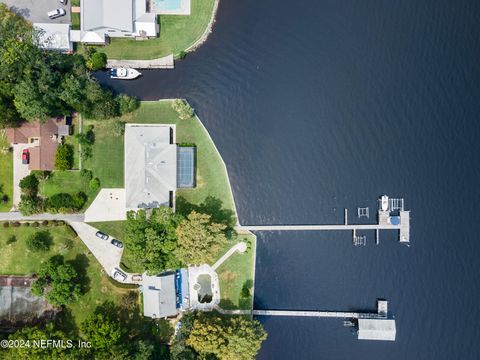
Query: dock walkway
166 62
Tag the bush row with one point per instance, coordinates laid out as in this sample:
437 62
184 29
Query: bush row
7 224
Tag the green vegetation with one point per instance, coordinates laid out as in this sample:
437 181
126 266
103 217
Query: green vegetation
211 335
75 21
177 33
38 83
236 276
58 282
6 175
64 157
96 287
39 241
183 109
96 61
73 142
199 239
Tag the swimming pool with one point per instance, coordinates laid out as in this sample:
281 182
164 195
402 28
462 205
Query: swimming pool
167 4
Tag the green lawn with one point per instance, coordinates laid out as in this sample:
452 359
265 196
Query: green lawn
235 273
72 140
15 259
6 175
107 164
177 33
75 21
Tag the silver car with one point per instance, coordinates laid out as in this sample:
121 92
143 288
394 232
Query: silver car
56 13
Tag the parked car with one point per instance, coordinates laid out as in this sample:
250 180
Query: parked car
102 235
25 156
119 275
117 243
56 13
63 2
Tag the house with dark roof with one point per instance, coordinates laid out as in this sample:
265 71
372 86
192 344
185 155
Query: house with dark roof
43 138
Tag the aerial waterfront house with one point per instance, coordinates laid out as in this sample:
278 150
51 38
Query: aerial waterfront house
165 295
150 166
101 19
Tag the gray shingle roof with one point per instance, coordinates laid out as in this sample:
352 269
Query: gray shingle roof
107 14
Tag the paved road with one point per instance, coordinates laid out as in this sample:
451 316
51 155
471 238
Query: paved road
17 216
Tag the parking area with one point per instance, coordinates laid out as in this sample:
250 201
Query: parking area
36 10
109 205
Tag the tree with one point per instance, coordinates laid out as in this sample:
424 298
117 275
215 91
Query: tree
39 241
127 104
94 184
97 61
199 240
228 338
58 282
152 239
48 332
65 203
30 205
102 330
64 157
144 350
29 185
183 109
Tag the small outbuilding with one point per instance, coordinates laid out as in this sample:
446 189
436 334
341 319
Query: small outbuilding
159 296
376 329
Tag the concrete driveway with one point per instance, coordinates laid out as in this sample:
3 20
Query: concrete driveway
36 10
108 256
19 171
109 205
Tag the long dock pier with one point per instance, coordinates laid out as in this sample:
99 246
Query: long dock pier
321 314
385 221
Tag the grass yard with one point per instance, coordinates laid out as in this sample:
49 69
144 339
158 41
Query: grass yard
72 140
107 161
212 180
177 33
235 274
75 21
6 175
15 259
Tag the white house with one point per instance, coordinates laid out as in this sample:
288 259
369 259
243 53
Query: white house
100 19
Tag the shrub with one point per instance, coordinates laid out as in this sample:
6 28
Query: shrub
63 202
126 103
118 127
183 109
11 239
64 157
97 61
39 241
6 224
29 185
16 224
45 222
86 174
5 198
27 224
54 222
30 204
182 55
35 224
94 184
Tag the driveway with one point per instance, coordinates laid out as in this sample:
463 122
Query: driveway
19 171
109 205
36 10
108 256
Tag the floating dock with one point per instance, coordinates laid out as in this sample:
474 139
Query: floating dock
370 326
393 218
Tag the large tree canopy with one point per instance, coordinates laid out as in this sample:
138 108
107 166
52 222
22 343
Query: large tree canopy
37 83
227 337
199 240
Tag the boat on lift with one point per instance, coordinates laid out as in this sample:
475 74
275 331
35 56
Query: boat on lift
384 203
124 73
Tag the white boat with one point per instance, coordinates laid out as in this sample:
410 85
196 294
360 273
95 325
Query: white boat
384 202
124 73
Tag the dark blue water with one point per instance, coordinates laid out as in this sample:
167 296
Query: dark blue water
320 105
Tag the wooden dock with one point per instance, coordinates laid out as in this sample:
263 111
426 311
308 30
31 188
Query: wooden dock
384 223
320 314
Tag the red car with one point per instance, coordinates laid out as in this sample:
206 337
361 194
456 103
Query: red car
25 156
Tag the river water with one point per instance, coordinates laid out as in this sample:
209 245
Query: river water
320 105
